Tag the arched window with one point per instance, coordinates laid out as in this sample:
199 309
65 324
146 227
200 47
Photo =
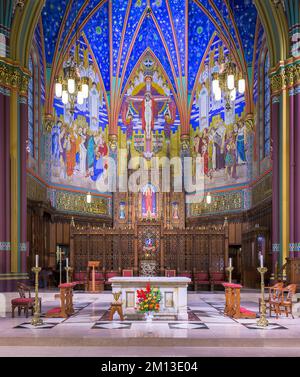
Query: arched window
266 109
33 106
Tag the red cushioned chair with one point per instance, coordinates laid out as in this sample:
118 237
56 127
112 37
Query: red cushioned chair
23 302
201 278
216 278
127 273
108 275
80 278
186 274
170 273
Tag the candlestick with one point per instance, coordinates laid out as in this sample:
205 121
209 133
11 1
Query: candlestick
36 261
36 320
67 262
263 322
261 261
68 273
230 269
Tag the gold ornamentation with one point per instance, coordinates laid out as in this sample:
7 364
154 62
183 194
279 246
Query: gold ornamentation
262 190
66 201
35 190
185 142
221 203
14 77
36 320
113 142
287 77
263 322
48 122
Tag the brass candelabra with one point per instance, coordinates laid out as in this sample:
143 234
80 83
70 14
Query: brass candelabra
263 322
36 320
230 269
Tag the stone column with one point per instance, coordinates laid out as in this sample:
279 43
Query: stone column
292 174
275 184
297 172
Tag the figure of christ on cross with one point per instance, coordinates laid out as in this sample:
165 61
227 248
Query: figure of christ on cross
148 113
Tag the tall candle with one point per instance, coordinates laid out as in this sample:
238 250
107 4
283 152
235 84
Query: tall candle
261 261
230 262
67 262
36 260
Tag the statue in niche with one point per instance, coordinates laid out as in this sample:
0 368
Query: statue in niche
122 215
175 211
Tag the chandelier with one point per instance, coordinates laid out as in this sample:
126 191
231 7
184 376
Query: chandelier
228 81
71 87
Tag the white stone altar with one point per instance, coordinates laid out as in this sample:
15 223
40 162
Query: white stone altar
173 294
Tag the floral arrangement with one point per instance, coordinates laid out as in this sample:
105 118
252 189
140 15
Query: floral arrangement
148 300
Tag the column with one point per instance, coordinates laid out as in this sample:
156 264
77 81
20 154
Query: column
292 174
297 171
275 184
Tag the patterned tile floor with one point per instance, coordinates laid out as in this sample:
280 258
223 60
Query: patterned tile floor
89 327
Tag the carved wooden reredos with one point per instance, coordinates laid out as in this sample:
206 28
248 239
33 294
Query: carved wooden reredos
203 248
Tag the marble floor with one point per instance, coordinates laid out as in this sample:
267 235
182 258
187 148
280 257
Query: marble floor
207 333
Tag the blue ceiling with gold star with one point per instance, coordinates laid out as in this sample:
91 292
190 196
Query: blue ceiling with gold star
177 31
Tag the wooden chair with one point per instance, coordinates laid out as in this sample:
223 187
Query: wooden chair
25 303
170 273
286 303
271 293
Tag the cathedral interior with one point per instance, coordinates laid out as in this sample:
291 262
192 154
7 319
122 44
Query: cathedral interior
149 138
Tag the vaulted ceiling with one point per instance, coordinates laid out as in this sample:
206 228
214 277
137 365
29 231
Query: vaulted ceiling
177 31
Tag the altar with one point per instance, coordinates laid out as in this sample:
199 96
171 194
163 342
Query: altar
173 302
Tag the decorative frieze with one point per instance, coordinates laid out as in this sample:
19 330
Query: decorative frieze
262 190
71 202
276 247
14 77
35 189
224 202
287 77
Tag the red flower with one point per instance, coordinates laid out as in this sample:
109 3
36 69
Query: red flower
148 289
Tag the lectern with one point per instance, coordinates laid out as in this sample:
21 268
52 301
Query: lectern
93 265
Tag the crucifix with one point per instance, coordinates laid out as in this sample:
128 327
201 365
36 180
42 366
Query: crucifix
148 112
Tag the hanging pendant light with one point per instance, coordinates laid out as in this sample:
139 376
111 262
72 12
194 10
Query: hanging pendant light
218 94
58 89
242 86
65 97
208 198
88 198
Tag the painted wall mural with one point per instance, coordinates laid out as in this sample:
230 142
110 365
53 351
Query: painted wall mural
154 66
219 133
149 117
79 148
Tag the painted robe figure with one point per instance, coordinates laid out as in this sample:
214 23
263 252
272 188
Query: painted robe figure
148 202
